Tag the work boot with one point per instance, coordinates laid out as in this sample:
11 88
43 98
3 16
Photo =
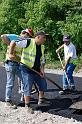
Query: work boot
64 92
43 101
11 105
29 109
33 91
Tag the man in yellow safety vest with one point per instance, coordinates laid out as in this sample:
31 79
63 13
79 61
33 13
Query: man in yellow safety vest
32 58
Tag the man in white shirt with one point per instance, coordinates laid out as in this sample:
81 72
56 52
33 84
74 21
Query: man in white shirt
70 58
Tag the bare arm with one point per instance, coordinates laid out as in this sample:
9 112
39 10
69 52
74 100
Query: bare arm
58 50
43 61
11 50
5 39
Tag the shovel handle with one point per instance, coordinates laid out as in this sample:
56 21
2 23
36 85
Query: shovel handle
63 66
47 79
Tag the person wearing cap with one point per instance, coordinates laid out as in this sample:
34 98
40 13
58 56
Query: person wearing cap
28 32
7 38
32 59
12 66
70 60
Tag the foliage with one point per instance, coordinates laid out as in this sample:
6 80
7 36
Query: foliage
2 56
10 12
54 17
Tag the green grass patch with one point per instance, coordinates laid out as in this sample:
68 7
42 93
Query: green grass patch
57 65
53 65
79 64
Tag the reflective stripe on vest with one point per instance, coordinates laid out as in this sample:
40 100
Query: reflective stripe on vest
17 53
29 54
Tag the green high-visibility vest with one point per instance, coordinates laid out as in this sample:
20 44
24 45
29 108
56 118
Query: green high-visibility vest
17 53
29 54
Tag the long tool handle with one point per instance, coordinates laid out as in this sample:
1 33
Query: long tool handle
47 79
50 80
53 83
63 66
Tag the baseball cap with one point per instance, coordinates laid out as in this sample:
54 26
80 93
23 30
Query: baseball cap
41 33
66 38
28 30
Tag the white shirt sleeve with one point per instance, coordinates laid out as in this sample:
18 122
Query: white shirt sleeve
72 52
22 43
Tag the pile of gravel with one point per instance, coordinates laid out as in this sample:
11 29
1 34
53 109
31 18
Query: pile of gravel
21 116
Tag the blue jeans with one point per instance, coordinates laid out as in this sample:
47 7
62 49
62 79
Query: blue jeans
12 69
69 71
29 77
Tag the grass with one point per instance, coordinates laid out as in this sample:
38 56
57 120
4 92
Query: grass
53 65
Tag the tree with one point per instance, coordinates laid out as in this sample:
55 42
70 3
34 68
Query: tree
56 17
10 12
44 15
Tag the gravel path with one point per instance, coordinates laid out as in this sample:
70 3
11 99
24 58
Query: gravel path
21 116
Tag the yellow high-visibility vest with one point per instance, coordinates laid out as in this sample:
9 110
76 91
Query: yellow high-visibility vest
17 53
29 54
